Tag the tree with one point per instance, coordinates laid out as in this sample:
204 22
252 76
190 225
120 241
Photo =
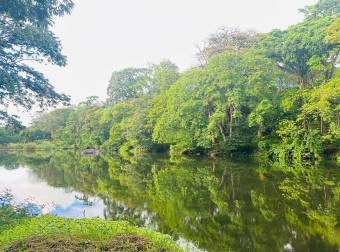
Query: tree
85 126
276 93
26 36
34 134
130 124
127 83
333 32
321 9
10 134
226 39
302 51
163 75
208 107
52 121
129 127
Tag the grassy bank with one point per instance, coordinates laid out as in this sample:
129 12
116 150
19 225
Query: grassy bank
42 233
22 228
33 146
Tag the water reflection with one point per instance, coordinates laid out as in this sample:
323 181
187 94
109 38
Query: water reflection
219 205
25 185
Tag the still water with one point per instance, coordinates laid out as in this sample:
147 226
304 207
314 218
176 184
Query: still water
208 204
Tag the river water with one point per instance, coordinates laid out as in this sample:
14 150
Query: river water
206 204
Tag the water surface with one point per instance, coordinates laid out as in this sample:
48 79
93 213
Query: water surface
218 205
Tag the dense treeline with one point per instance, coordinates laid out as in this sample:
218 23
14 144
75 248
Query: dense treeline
277 92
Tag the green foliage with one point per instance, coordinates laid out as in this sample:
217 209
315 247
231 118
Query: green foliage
163 75
19 222
218 204
314 128
87 126
10 212
322 8
34 134
90 229
25 36
333 32
127 83
303 51
9 134
129 125
52 122
209 107
276 92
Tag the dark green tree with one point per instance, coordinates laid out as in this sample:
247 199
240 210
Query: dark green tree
25 34
303 52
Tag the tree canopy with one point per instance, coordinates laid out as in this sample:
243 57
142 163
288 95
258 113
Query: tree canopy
26 36
226 39
275 93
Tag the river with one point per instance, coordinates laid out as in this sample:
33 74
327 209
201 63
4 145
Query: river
207 204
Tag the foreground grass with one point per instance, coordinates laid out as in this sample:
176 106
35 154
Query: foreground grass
126 242
41 233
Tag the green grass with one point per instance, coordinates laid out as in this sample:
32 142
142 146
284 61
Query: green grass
95 230
39 145
121 243
32 146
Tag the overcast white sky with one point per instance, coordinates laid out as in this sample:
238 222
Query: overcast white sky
101 36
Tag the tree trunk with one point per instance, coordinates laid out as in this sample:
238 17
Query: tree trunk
301 83
212 135
222 132
260 133
231 124
330 73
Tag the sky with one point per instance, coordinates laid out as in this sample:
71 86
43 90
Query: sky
102 36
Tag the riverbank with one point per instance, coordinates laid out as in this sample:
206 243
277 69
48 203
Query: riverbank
33 146
63 234
23 228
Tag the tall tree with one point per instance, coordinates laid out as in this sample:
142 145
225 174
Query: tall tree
163 75
26 36
209 107
127 83
322 8
226 39
303 51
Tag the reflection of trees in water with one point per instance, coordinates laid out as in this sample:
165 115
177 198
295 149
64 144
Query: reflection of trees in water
138 216
85 199
221 205
9 161
13 160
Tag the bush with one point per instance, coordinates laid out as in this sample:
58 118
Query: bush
11 212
